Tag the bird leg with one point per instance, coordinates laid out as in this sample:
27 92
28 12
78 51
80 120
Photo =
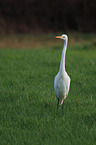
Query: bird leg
62 107
57 105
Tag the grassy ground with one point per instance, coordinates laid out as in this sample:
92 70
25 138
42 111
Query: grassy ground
27 100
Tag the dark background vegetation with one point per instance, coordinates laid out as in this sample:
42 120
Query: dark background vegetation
32 16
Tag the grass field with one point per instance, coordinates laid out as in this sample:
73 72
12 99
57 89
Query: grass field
27 100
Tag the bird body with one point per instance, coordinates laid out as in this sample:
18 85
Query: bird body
62 80
61 86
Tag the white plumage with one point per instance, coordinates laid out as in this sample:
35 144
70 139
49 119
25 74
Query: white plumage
62 80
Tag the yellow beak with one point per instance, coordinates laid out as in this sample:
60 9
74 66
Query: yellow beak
58 36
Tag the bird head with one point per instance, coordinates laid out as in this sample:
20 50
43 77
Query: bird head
64 37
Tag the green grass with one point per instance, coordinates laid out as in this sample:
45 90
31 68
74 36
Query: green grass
27 100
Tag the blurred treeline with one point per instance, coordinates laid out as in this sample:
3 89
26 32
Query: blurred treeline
24 16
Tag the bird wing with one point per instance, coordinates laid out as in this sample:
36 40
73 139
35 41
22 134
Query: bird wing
59 87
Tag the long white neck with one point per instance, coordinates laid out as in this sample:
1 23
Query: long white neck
62 63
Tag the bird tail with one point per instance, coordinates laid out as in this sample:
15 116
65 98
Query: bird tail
61 101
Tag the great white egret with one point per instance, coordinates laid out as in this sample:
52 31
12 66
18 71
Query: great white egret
62 80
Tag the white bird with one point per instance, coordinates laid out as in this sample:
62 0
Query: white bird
62 80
